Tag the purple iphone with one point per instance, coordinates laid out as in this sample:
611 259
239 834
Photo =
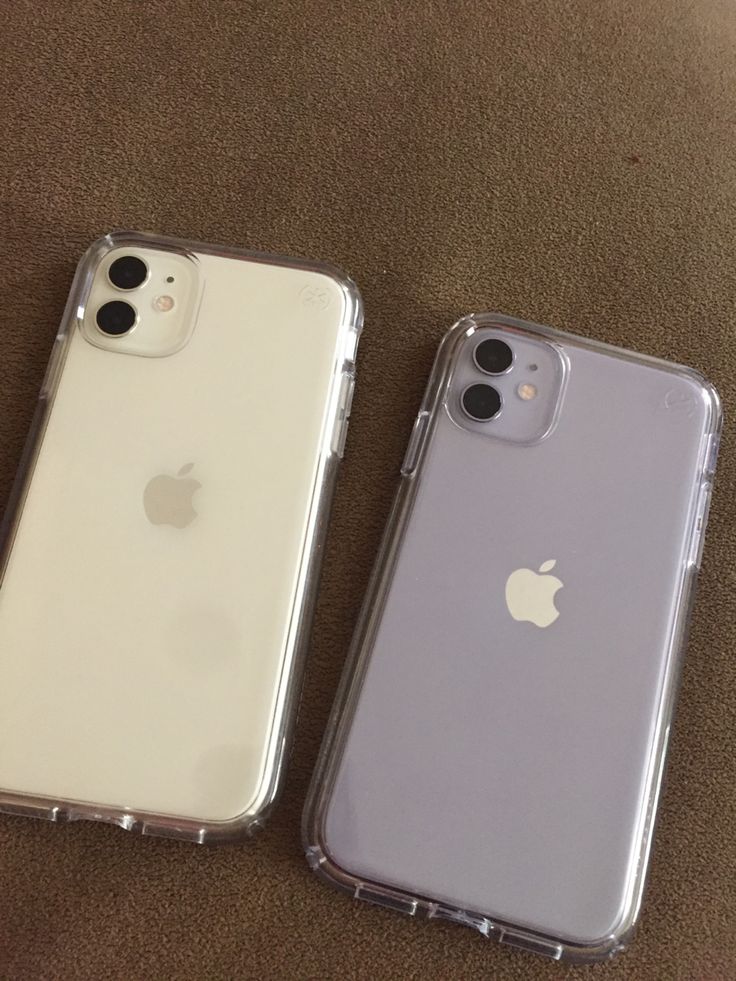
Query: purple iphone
496 750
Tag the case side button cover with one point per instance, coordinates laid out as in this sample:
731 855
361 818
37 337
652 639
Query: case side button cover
352 340
701 520
521 941
415 441
711 455
387 899
344 405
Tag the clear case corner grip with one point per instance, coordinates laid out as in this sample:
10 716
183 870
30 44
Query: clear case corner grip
315 856
480 923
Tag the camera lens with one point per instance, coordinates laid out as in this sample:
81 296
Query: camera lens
481 402
116 317
127 272
493 356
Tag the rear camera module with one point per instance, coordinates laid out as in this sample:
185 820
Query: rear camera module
493 356
116 318
128 272
481 402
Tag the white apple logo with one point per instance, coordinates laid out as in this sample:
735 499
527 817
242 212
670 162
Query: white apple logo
167 500
531 596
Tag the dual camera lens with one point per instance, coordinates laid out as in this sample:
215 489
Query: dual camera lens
482 402
116 317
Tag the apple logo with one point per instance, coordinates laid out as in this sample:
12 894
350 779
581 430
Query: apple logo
531 596
167 500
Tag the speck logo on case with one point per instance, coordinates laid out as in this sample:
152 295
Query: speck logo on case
315 297
680 400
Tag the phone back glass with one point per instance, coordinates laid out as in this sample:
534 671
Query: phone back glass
504 772
160 559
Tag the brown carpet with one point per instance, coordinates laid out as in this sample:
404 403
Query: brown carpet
569 162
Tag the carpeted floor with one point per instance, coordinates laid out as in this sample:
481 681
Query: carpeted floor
568 162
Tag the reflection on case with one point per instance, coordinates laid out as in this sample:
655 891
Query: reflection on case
496 748
161 552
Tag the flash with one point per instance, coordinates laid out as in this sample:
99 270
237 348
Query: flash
163 304
527 391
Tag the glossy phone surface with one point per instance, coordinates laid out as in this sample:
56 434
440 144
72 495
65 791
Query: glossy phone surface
161 552
497 748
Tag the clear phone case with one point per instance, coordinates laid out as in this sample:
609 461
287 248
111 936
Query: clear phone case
496 749
162 545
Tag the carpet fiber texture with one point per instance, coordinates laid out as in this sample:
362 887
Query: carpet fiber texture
568 162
